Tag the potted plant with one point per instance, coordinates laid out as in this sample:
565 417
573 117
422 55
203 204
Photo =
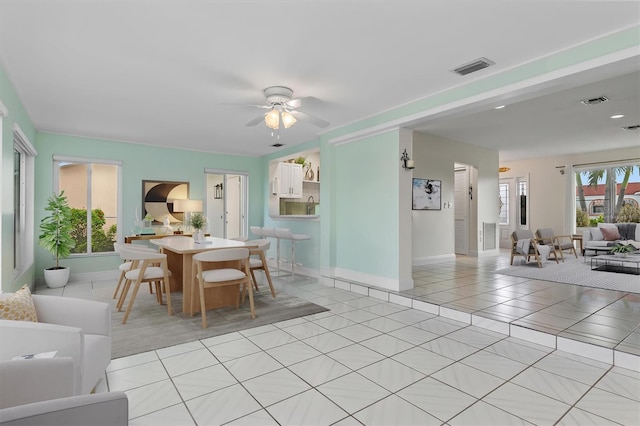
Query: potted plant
622 250
55 237
198 222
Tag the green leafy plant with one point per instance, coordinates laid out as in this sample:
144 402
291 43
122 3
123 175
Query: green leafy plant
628 213
300 160
582 218
621 248
198 221
596 221
101 239
56 228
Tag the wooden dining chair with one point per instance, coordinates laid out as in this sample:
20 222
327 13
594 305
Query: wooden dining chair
258 261
232 270
126 265
143 269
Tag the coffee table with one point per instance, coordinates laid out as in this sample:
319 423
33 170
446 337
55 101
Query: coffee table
629 264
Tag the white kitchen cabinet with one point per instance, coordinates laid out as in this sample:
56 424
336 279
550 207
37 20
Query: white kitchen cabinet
289 180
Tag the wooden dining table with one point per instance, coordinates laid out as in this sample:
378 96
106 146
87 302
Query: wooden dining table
180 251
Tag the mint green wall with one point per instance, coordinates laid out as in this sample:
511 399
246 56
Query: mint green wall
16 114
139 162
366 205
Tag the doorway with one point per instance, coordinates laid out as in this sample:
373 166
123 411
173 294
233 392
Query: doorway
514 207
465 209
227 204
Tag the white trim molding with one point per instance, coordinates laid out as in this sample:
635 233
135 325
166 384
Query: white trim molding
3 109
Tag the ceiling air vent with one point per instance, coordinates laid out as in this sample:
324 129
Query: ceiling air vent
277 145
634 127
473 66
595 101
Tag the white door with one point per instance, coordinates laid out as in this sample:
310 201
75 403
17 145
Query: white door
461 210
226 205
233 207
507 205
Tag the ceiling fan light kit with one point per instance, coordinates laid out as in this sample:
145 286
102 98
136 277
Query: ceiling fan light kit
282 109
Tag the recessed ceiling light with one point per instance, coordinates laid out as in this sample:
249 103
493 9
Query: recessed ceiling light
277 145
500 106
617 116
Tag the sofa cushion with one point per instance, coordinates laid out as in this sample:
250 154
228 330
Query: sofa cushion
600 244
596 234
610 233
18 306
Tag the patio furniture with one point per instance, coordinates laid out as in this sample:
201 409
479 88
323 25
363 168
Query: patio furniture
523 243
560 243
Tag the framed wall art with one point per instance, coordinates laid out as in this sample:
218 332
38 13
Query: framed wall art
158 196
426 194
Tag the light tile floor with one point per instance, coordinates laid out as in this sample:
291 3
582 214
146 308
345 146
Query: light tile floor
368 361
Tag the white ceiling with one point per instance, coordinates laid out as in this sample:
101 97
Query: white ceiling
178 73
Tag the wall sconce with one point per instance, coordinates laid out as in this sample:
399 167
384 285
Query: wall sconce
407 163
218 192
561 169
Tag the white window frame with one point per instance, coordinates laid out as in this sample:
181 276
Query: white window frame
506 203
57 159
25 222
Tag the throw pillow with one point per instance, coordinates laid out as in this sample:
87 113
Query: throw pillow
19 306
596 234
610 233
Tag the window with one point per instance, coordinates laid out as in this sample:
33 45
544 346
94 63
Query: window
602 191
23 188
92 188
504 204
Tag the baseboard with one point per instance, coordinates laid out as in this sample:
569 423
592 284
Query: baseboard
430 260
86 277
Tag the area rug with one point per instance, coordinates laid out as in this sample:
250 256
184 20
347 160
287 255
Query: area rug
150 327
575 271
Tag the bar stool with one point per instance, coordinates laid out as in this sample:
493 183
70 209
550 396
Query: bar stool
271 233
286 234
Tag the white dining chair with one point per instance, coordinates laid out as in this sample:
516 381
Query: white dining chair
224 276
143 269
258 261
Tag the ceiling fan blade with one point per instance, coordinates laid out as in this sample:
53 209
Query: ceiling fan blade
255 121
314 120
294 103
246 105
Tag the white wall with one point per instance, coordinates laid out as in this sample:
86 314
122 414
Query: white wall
551 194
433 231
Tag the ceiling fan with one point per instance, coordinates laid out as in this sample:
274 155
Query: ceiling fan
283 110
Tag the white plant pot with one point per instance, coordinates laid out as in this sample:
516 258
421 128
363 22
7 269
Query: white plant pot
56 278
198 235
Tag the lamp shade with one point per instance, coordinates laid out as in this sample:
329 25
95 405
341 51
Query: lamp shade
288 120
187 206
272 119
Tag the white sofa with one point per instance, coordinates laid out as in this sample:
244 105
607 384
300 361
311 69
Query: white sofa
35 392
592 238
75 328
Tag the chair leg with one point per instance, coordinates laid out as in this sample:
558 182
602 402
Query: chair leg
123 295
253 311
253 279
131 300
265 267
203 309
115 293
167 288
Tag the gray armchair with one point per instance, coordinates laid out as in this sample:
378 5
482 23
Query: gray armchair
525 244
560 243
